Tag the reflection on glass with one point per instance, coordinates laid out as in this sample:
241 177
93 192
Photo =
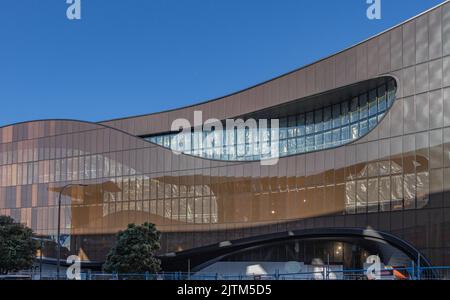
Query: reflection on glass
310 122
373 109
327 139
327 118
318 120
363 128
322 128
301 125
336 116
354 110
354 131
363 106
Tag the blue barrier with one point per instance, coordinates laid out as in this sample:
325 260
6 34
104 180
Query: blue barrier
407 273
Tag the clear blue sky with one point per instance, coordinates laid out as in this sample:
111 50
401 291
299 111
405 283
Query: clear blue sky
131 57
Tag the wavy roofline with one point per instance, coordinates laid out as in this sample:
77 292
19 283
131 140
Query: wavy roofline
282 75
351 142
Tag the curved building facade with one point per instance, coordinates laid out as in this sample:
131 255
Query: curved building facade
363 143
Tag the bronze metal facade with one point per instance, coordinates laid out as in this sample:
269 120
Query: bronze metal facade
400 169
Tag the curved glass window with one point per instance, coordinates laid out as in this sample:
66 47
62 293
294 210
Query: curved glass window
322 128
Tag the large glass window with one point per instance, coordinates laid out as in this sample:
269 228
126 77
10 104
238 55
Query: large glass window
354 110
363 128
354 131
336 137
292 130
328 139
318 120
381 98
301 125
336 116
319 141
372 122
301 145
283 129
310 143
310 122
363 106
327 118
322 128
345 117
373 106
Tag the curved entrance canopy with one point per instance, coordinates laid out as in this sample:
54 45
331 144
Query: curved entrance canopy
200 258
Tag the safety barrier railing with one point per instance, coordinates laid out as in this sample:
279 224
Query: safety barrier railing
321 273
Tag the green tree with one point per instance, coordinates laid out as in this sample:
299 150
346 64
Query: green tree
17 248
134 251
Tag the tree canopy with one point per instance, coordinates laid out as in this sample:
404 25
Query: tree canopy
17 248
134 250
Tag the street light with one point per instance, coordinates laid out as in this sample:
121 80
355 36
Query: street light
58 243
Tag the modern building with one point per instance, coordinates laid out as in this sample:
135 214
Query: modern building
363 168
